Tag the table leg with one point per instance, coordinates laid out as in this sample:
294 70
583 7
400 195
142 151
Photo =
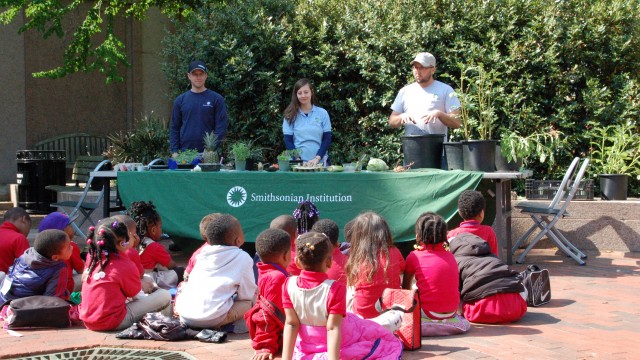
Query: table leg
106 199
503 218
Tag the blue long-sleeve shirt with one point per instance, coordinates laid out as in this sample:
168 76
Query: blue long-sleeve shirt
195 114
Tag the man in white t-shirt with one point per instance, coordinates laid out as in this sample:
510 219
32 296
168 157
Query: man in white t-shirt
427 106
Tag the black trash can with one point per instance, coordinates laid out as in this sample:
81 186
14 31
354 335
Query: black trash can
424 151
36 170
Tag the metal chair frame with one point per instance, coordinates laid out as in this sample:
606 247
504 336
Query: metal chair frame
545 216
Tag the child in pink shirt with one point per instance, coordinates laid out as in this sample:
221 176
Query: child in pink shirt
471 207
317 324
338 259
436 273
374 263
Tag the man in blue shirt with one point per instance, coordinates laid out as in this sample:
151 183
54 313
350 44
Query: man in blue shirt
196 112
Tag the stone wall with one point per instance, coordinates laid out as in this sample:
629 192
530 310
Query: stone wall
593 226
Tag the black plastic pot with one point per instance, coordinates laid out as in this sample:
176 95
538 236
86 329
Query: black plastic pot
479 155
502 164
425 151
209 167
613 186
453 153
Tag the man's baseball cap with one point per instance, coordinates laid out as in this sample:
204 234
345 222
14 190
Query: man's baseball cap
425 59
197 65
55 220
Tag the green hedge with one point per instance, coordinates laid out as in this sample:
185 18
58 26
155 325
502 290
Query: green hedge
566 64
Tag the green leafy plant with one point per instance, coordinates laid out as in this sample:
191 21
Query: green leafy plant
543 145
241 150
477 94
615 149
147 141
186 157
289 154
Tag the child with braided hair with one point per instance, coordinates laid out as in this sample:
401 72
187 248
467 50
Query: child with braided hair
110 278
436 273
154 257
317 324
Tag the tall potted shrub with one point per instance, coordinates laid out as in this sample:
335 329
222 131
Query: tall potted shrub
615 154
477 95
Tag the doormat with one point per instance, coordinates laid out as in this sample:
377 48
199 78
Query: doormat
102 353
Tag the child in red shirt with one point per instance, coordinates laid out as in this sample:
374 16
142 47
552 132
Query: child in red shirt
13 232
111 278
471 207
154 257
436 273
317 323
60 221
374 263
265 323
148 285
338 259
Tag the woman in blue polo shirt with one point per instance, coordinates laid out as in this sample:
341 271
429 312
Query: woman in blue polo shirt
306 127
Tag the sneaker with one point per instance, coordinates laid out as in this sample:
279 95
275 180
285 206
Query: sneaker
240 326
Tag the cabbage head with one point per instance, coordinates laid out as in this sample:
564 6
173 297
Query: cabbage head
377 165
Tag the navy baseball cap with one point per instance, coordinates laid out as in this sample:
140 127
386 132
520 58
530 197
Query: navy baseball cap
197 65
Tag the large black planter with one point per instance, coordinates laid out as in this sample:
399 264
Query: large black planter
479 155
502 164
613 186
425 151
453 153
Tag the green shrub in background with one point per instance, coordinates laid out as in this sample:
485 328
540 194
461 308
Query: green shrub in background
566 65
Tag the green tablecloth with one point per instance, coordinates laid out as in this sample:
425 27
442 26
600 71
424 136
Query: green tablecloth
255 198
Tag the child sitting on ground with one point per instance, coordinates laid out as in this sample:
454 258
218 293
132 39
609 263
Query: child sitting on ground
111 278
13 232
148 285
374 263
154 257
202 227
491 291
41 270
317 323
265 320
221 287
60 221
289 225
471 205
339 260
436 274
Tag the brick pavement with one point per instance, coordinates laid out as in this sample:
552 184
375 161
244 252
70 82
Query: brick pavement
593 314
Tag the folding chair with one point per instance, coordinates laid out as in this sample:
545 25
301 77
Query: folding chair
83 208
545 216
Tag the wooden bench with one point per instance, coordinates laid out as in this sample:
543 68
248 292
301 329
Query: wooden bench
80 174
75 145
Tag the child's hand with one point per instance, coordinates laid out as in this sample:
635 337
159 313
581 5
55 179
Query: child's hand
262 355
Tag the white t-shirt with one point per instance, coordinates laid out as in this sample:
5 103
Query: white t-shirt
418 101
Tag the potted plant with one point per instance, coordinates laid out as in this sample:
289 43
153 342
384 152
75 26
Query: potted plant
210 157
514 149
186 159
285 158
477 95
241 151
615 154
